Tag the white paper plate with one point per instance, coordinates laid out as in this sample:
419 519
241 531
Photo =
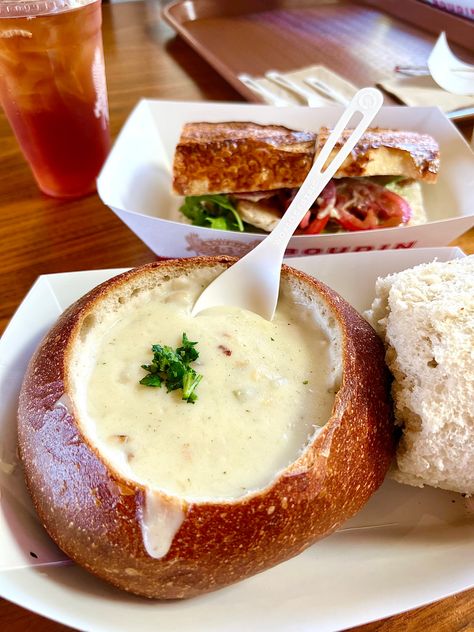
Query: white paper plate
135 181
407 546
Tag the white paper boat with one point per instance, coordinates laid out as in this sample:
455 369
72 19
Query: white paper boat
136 182
407 547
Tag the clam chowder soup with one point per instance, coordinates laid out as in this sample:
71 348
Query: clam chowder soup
266 389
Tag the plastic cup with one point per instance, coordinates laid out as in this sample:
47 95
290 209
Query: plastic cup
53 90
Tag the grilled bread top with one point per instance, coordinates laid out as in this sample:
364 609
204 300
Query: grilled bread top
386 152
234 157
240 156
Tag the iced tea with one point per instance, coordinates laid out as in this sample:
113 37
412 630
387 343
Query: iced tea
52 88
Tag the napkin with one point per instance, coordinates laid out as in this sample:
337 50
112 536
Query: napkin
424 91
328 77
443 85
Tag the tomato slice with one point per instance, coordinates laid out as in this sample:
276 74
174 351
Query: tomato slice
365 205
306 220
317 225
319 215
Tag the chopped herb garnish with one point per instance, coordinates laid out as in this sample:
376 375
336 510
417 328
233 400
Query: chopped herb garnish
306 382
172 368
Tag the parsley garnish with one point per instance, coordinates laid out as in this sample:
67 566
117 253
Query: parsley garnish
172 368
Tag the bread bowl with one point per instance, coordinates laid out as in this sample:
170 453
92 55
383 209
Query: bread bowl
98 511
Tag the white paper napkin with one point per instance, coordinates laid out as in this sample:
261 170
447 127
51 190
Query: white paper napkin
424 91
449 82
328 77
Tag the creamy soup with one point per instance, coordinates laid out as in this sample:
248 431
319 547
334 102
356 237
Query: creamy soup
267 387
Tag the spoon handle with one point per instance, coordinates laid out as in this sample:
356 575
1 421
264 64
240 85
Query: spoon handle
253 282
366 102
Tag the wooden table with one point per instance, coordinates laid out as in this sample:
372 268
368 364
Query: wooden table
39 235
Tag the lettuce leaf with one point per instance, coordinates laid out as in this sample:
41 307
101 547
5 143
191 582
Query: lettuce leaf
212 211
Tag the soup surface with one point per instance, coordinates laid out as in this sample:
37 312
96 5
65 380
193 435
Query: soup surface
267 387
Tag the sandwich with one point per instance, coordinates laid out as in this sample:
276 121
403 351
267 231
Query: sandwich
243 176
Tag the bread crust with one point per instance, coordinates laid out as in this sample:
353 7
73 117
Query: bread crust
92 512
231 157
385 152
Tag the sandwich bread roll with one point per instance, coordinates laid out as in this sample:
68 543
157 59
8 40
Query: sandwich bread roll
386 152
239 175
228 157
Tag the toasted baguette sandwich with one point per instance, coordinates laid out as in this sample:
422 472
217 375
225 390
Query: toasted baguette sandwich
240 175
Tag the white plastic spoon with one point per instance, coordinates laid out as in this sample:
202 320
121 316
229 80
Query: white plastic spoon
253 282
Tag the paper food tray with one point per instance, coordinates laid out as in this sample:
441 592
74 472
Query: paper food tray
406 547
136 180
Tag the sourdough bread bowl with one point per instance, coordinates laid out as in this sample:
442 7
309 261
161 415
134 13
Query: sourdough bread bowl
157 527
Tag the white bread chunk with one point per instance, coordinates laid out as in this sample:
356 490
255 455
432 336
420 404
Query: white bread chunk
426 316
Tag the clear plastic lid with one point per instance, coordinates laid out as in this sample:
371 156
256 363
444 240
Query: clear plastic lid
32 8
